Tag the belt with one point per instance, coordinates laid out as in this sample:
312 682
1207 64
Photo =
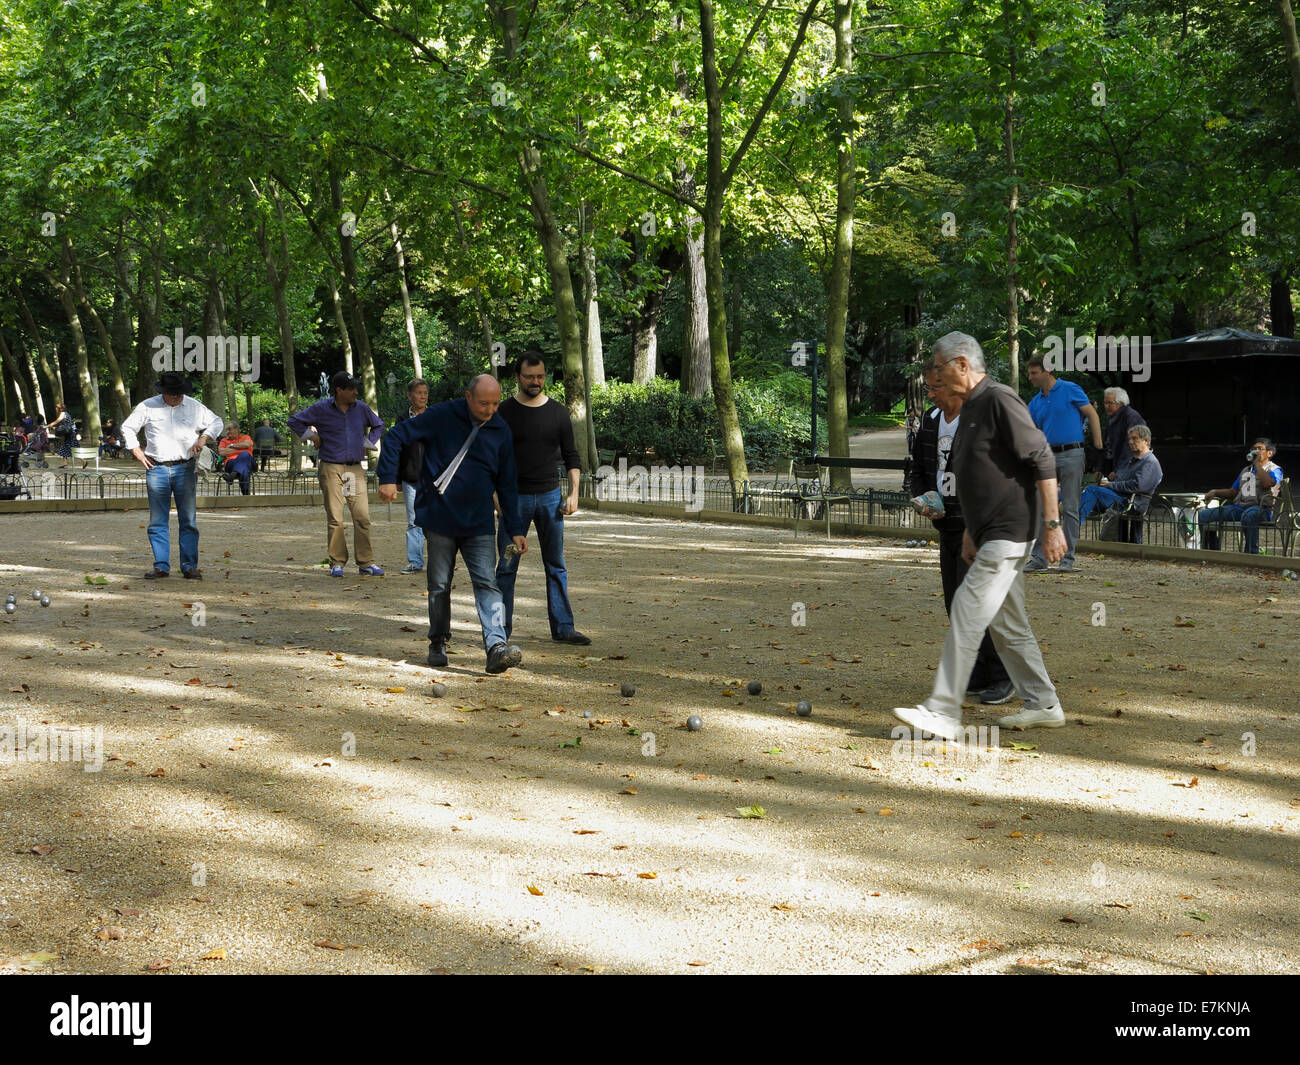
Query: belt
168 462
328 463
1058 448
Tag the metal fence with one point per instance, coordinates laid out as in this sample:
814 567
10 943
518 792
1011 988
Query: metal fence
119 484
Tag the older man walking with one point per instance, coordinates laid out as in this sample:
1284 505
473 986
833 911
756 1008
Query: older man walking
1000 461
340 426
176 429
468 455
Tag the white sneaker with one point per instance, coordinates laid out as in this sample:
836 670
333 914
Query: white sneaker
923 720
1048 717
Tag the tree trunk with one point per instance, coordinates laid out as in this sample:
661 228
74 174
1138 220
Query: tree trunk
837 404
1292 46
30 364
406 295
48 367
214 384
1281 313
1013 203
557 265
645 329
336 301
720 357
118 398
25 399
277 276
86 379
592 343
351 299
697 373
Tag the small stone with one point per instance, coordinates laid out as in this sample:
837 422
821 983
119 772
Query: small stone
694 723
439 689
755 687
586 713
627 690
804 708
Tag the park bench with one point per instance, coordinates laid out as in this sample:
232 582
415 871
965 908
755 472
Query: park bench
1285 520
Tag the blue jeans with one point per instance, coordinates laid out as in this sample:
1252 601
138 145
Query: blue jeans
414 534
1097 496
164 483
1069 477
540 510
479 555
1250 517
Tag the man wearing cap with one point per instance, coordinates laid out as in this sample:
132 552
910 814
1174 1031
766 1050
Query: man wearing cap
341 426
468 454
176 428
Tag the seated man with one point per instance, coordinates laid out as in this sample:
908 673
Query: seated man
265 437
110 443
1140 473
236 449
1253 497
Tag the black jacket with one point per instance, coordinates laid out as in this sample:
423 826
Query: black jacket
925 469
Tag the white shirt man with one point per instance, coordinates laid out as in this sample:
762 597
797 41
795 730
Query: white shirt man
176 428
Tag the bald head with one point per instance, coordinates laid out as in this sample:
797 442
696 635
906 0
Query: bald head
483 396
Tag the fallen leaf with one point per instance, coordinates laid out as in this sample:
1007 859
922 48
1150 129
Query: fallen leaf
885 811
697 963
1016 835
42 849
647 876
329 944
158 964
394 691
628 791
751 811
982 945
533 889
215 955
111 931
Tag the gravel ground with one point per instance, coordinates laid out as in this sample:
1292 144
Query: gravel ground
282 793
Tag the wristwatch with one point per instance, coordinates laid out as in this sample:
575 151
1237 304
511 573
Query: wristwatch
1054 524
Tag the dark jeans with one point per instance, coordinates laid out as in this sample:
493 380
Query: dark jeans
165 483
988 669
479 555
241 466
1250 517
540 510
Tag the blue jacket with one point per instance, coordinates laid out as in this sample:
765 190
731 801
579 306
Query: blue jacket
466 507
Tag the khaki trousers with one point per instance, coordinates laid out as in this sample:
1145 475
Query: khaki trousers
346 484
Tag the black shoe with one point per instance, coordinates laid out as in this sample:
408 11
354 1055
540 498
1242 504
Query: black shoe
573 636
192 574
156 574
437 655
501 657
996 694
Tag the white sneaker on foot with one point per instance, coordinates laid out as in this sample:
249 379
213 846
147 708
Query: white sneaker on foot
1047 717
923 720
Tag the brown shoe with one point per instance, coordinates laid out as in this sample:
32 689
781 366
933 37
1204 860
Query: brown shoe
192 574
156 574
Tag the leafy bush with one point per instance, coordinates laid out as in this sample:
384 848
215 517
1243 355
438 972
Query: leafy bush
633 419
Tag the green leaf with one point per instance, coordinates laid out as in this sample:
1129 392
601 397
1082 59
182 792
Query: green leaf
1016 745
576 742
1195 916
774 750
751 811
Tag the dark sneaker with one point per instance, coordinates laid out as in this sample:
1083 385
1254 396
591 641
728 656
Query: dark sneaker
501 657
572 636
156 574
437 655
997 694
192 574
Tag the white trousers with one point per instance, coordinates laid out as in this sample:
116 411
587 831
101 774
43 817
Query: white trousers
992 597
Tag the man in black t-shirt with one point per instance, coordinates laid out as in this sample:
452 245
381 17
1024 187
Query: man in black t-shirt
543 435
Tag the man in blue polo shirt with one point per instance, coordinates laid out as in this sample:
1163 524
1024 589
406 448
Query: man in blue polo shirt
1056 411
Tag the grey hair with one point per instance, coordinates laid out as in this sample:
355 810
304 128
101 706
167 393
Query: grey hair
956 345
1117 394
1143 431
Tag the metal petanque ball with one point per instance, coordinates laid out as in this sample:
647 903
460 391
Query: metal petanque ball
45 600
36 594
627 690
755 687
10 607
804 708
439 689
694 723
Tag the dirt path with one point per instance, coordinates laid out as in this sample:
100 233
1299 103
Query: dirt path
462 836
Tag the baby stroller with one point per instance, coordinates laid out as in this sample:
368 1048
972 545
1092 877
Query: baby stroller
13 482
38 443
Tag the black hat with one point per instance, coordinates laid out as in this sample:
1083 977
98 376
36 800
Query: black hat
172 383
343 379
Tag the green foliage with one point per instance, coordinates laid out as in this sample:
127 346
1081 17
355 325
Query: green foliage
658 417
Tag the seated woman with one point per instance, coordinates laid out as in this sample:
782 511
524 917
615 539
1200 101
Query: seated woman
1141 474
236 449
